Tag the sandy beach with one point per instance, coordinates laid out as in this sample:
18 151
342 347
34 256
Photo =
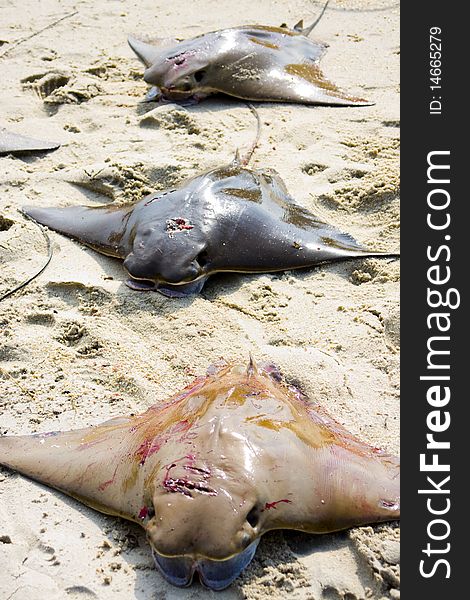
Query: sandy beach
78 347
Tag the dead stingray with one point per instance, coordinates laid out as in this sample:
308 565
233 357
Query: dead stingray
235 454
14 143
252 62
230 219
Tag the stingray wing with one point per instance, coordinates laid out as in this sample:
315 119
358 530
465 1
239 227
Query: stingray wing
272 64
101 227
294 82
110 466
323 478
306 82
149 52
89 464
14 143
253 62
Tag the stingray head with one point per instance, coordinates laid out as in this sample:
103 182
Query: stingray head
178 72
167 251
204 523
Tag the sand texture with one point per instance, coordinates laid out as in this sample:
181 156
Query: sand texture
78 347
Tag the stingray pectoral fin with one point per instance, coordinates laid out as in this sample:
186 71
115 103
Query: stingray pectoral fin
147 53
331 244
338 480
340 485
14 143
306 83
301 83
89 464
100 227
366 490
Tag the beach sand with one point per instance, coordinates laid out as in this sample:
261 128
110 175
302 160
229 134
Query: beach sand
78 347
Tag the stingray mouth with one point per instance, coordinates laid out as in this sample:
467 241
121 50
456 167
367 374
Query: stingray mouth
182 89
213 574
158 94
177 93
141 285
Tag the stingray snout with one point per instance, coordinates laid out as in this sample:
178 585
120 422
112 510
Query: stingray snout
205 529
152 268
214 572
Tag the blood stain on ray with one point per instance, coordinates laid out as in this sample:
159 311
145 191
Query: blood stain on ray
270 505
151 445
184 485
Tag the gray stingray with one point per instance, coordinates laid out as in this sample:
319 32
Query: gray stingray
252 62
14 143
230 219
206 473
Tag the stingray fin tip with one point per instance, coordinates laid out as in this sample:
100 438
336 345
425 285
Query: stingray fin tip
362 102
28 210
131 40
144 51
346 100
34 212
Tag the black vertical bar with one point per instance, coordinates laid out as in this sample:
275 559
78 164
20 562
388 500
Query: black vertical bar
434 121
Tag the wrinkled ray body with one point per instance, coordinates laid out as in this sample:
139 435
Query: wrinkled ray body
14 143
252 62
229 219
235 454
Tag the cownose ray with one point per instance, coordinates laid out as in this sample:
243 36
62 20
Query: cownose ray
229 219
251 62
14 143
236 453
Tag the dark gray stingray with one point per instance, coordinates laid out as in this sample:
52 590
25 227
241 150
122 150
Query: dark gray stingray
231 219
252 62
14 143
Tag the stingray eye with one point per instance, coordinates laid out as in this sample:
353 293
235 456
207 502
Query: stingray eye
202 258
253 517
179 60
199 76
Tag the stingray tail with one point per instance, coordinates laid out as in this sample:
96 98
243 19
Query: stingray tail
100 227
242 161
306 31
